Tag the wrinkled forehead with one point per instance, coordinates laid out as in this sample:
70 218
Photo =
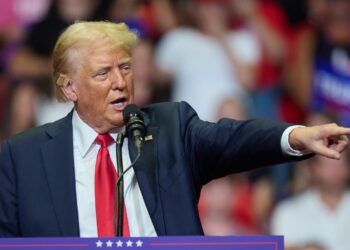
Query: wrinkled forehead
87 51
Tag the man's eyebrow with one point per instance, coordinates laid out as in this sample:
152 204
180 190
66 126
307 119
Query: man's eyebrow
125 60
103 67
93 71
107 66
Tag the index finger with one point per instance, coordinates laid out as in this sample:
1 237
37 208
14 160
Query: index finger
337 130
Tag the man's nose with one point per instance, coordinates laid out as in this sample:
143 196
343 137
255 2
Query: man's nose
117 79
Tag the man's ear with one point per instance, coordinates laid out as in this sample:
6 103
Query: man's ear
68 88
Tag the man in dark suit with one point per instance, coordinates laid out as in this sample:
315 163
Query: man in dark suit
48 183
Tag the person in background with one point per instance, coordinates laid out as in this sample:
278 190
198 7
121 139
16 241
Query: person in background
143 68
29 68
317 70
267 21
320 214
205 53
15 18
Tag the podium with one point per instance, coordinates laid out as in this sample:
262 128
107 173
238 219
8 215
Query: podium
147 243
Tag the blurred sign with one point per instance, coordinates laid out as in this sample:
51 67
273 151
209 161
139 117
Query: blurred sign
331 90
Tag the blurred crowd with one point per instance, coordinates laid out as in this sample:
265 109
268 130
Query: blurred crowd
285 60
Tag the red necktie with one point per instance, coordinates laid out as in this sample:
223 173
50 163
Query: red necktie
105 179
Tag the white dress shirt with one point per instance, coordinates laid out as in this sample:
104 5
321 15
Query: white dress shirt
85 154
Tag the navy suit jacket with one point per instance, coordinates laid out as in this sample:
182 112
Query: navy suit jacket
37 182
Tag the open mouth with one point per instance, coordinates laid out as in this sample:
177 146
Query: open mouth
120 102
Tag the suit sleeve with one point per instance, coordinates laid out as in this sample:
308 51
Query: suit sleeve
8 199
229 146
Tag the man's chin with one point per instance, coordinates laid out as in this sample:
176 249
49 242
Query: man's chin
116 125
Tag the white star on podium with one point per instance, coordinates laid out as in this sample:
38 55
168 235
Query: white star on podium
109 243
99 243
129 243
139 243
119 243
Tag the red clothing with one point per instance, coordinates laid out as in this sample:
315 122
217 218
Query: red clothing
269 73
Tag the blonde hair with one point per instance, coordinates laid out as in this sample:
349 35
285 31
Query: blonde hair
83 33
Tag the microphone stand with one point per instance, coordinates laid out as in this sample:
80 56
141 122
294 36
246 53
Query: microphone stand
118 230
119 185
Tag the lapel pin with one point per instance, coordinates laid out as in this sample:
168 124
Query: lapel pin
148 137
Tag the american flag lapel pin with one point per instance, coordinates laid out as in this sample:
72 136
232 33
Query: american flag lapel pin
148 137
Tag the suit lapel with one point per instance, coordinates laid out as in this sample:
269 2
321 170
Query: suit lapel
58 160
147 177
59 166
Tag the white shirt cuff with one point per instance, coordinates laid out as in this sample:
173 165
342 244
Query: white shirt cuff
286 148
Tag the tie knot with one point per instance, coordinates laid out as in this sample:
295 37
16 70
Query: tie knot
104 140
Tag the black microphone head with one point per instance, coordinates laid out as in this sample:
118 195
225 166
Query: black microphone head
133 120
131 110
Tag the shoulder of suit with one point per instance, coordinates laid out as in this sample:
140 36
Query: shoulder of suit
166 106
168 114
160 105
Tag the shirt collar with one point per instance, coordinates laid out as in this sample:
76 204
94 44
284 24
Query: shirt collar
83 135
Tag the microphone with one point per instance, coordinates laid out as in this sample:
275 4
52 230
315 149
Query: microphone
134 126
135 129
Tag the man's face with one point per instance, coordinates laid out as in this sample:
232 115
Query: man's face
103 85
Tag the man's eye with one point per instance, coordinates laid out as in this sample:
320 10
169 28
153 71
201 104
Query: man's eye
125 68
102 73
